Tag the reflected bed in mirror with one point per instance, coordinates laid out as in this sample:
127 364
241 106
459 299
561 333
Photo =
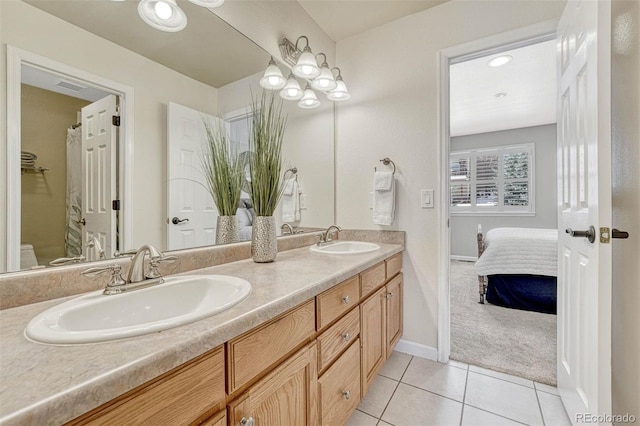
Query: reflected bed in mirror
106 49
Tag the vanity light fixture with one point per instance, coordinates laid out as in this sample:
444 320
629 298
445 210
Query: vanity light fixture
340 93
325 81
292 90
273 78
309 99
208 3
499 61
164 15
306 65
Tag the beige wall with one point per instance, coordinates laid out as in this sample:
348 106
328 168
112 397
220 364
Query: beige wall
28 28
308 145
625 79
392 72
46 116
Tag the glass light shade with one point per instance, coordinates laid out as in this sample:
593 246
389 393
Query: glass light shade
292 90
306 67
325 81
273 78
208 3
499 61
340 93
309 99
163 15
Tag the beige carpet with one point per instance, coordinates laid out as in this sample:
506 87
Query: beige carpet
512 341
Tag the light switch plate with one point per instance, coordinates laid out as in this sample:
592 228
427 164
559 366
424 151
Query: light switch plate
426 198
303 201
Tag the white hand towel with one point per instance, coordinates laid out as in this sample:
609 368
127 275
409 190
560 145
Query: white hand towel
384 200
291 201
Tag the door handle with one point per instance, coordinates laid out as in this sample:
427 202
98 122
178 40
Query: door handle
589 234
176 220
616 233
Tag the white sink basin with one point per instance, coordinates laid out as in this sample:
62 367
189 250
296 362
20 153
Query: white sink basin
345 247
95 317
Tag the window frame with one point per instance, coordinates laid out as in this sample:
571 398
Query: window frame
500 209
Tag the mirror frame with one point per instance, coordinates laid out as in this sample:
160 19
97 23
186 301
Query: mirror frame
16 58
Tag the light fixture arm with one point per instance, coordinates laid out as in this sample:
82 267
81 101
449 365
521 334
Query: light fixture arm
324 62
339 76
306 40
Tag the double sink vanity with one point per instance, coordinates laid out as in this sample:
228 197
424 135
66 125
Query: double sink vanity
297 341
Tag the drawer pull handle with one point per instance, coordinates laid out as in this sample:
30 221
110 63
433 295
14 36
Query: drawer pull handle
247 421
346 337
346 299
346 394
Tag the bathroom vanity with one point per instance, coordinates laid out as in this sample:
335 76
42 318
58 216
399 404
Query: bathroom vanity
302 348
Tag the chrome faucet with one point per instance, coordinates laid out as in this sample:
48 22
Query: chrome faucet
325 237
288 227
136 271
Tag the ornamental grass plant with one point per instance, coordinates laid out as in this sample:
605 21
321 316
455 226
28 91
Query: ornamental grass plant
223 171
265 165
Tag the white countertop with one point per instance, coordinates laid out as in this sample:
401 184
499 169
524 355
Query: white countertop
43 384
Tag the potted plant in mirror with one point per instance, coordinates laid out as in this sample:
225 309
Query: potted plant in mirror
265 166
223 172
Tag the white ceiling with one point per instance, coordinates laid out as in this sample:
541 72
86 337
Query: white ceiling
529 80
343 18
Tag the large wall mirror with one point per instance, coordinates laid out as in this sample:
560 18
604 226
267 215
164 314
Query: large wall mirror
71 67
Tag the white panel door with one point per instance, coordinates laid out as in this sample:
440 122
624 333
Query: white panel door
187 197
584 200
99 139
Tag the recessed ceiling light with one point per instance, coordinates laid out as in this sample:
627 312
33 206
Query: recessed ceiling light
500 95
498 61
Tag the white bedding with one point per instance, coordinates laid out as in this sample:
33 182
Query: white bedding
519 251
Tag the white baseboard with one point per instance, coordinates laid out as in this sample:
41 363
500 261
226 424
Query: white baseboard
463 258
417 349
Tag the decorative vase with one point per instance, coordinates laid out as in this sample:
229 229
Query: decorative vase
227 230
264 245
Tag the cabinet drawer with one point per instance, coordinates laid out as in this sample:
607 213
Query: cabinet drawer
177 398
335 302
255 351
394 265
220 419
339 388
371 279
337 338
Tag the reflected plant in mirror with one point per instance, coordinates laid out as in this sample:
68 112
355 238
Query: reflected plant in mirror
223 173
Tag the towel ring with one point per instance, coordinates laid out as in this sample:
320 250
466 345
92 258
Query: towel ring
293 170
386 161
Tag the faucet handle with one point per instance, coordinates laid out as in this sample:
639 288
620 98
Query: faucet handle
115 283
154 263
125 253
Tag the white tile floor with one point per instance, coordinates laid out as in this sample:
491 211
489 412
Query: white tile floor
415 391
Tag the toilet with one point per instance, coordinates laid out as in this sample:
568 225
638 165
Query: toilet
28 258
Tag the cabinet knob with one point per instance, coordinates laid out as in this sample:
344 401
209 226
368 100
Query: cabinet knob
388 295
346 337
346 299
346 394
247 421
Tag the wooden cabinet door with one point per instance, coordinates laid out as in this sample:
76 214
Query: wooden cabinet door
394 312
286 396
372 337
339 388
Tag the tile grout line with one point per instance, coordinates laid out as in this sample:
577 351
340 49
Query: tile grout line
464 395
496 414
540 408
394 391
508 381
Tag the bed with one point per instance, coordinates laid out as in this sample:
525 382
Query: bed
517 268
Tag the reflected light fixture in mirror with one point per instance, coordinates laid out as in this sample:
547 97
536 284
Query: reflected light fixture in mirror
309 99
292 90
273 78
325 81
208 3
340 93
163 15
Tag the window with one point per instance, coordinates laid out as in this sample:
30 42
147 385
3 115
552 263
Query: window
494 181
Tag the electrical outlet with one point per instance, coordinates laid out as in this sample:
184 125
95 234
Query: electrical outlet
303 201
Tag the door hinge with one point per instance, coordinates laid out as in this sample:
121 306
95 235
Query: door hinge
115 205
605 235
115 120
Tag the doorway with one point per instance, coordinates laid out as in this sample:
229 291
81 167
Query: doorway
23 63
473 202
